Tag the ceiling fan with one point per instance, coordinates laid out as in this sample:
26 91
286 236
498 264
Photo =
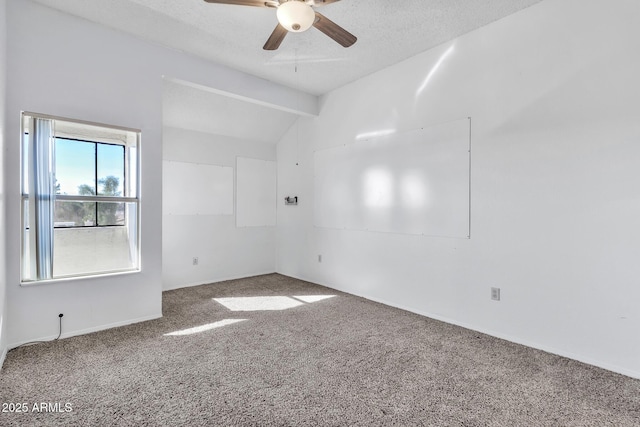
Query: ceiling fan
297 16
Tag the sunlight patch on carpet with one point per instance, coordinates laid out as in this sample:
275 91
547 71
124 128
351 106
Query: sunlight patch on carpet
258 303
312 298
203 328
269 303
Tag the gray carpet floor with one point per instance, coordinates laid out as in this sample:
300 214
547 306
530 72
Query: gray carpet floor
303 360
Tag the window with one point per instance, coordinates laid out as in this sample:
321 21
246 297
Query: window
85 168
80 204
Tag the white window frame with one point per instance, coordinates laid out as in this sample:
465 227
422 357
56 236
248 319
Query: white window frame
132 174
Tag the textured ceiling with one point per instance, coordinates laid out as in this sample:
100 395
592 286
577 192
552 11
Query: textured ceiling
388 32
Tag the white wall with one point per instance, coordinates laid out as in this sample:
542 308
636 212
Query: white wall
65 66
3 81
555 201
224 251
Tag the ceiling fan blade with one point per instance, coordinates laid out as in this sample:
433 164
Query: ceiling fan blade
274 40
333 30
318 3
257 3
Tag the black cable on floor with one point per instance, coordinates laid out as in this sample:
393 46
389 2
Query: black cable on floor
40 342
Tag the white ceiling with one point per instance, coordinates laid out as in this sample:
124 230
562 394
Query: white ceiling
388 31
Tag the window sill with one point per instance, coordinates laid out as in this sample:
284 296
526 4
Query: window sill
65 279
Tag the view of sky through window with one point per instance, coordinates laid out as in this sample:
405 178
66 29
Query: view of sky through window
76 167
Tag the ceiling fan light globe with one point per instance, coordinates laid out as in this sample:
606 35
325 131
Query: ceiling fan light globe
295 16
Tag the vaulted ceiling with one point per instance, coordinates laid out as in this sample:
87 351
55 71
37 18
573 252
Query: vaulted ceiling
388 31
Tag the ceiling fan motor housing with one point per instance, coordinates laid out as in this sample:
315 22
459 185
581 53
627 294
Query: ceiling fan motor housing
296 15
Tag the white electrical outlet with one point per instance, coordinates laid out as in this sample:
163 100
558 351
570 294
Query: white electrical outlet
195 260
495 294
319 258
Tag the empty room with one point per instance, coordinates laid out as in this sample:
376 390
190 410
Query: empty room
320 212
